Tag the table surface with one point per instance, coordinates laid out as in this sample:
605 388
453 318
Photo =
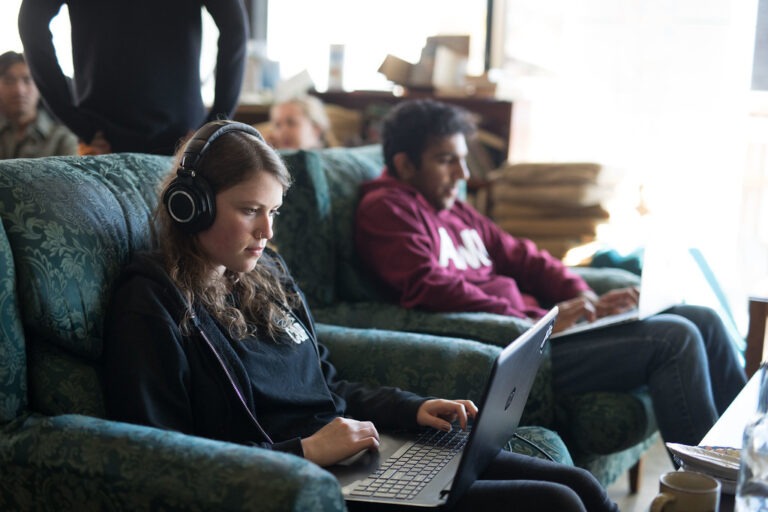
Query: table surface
729 429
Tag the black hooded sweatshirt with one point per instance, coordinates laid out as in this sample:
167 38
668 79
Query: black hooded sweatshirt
201 383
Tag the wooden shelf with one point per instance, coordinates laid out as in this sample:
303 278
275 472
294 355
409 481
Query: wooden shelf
493 116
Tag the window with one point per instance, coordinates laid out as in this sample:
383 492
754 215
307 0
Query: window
656 91
300 33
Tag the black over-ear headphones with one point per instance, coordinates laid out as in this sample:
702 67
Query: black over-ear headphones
189 199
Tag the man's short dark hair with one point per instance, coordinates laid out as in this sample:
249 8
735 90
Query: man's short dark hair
413 124
8 59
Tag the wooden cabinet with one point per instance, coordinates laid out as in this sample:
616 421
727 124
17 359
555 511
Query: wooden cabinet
494 117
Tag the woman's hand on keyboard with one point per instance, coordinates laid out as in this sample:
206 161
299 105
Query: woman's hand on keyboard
440 413
338 440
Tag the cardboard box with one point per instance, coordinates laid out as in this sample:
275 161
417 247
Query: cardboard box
442 66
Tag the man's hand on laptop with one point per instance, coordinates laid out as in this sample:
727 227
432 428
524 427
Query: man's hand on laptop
617 301
578 309
439 414
588 306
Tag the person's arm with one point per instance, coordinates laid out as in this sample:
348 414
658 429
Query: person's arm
231 19
386 407
393 239
34 19
536 272
146 375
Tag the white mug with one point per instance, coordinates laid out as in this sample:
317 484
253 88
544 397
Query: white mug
687 491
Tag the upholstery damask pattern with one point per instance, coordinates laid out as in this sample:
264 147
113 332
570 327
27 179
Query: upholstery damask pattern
72 248
540 407
351 167
13 370
306 209
61 383
622 421
428 365
540 442
78 463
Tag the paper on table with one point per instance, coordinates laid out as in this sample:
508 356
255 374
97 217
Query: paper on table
716 461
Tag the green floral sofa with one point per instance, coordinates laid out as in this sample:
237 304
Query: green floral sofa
68 225
605 432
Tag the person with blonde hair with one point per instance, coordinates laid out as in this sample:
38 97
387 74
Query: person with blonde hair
300 123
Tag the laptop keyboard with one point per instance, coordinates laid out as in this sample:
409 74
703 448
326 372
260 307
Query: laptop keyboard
407 472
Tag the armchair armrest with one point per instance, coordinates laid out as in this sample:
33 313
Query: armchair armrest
425 364
486 327
83 463
756 334
603 279
437 363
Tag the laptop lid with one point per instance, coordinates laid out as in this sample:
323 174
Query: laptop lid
500 409
506 394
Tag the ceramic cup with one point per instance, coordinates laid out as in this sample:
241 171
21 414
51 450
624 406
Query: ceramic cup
687 491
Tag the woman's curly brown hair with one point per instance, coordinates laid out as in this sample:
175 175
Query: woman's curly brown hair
242 302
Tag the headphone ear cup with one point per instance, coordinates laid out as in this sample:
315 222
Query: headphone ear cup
190 203
189 198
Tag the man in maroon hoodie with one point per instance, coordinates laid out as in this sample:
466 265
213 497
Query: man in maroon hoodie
437 253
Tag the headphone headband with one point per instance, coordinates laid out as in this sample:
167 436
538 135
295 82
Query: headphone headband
202 139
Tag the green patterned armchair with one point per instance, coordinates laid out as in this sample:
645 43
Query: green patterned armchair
605 432
68 225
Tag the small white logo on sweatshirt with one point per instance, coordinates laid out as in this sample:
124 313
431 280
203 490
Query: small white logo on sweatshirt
472 253
296 331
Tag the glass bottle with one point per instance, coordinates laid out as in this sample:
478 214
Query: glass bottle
752 488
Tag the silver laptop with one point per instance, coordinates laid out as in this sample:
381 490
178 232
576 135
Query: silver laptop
661 287
431 468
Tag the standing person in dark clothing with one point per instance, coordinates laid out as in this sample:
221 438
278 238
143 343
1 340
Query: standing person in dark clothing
210 336
136 84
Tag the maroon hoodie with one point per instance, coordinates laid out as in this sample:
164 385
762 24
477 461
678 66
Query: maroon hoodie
455 259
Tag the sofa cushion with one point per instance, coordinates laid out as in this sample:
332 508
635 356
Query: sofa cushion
324 261
603 279
603 423
303 232
345 170
61 383
13 368
78 463
71 225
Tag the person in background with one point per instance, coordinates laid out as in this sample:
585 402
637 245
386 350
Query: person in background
299 123
435 252
26 130
210 336
136 84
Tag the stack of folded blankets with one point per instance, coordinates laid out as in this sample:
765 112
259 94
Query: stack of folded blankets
557 205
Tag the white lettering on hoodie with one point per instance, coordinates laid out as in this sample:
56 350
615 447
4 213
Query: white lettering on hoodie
472 252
